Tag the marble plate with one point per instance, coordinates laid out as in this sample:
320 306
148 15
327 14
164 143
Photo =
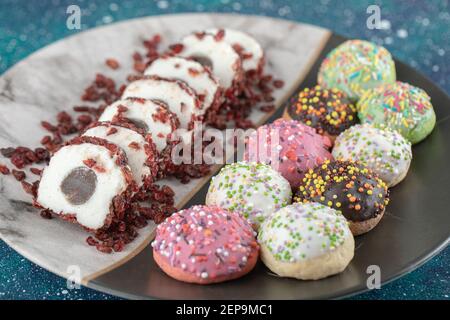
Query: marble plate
415 227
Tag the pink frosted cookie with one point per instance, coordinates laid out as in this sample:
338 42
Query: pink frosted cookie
289 147
205 244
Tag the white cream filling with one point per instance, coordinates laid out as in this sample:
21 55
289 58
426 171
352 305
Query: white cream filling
143 111
221 53
248 43
178 99
91 214
191 72
123 138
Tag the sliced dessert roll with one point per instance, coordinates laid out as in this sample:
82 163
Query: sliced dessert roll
193 74
89 182
138 146
177 95
247 47
151 116
212 51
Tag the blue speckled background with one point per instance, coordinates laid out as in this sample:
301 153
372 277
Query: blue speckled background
417 32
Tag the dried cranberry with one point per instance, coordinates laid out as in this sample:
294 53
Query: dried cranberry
112 63
7 152
4 169
46 214
19 175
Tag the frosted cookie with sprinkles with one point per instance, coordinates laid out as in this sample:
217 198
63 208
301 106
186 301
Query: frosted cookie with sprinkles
385 152
193 74
205 244
289 147
356 66
307 241
246 46
350 188
152 116
181 99
138 147
214 52
399 106
253 189
329 111
88 181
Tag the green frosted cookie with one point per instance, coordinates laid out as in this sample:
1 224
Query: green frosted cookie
399 106
355 66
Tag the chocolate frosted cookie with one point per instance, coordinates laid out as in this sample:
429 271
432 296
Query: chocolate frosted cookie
329 111
351 188
88 181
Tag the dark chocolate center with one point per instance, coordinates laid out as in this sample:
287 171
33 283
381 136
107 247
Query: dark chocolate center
204 61
79 185
139 124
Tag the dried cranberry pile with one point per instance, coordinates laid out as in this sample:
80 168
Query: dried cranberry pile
103 91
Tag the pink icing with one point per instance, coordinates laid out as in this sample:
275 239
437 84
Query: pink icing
297 149
206 241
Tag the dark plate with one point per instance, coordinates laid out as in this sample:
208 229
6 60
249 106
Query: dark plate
416 226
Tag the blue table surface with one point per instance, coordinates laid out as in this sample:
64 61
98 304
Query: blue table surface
417 32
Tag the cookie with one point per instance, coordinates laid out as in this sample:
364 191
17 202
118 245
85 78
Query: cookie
204 245
306 241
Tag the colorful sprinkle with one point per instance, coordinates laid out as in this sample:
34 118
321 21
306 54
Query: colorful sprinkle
327 110
355 66
399 106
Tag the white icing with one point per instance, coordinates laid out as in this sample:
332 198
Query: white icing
143 111
123 138
385 152
248 43
179 68
257 189
110 183
222 55
179 100
303 230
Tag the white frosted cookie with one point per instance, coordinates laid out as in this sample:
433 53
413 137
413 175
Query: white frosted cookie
84 182
387 153
215 53
307 241
253 189
178 96
138 149
151 116
247 47
193 74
